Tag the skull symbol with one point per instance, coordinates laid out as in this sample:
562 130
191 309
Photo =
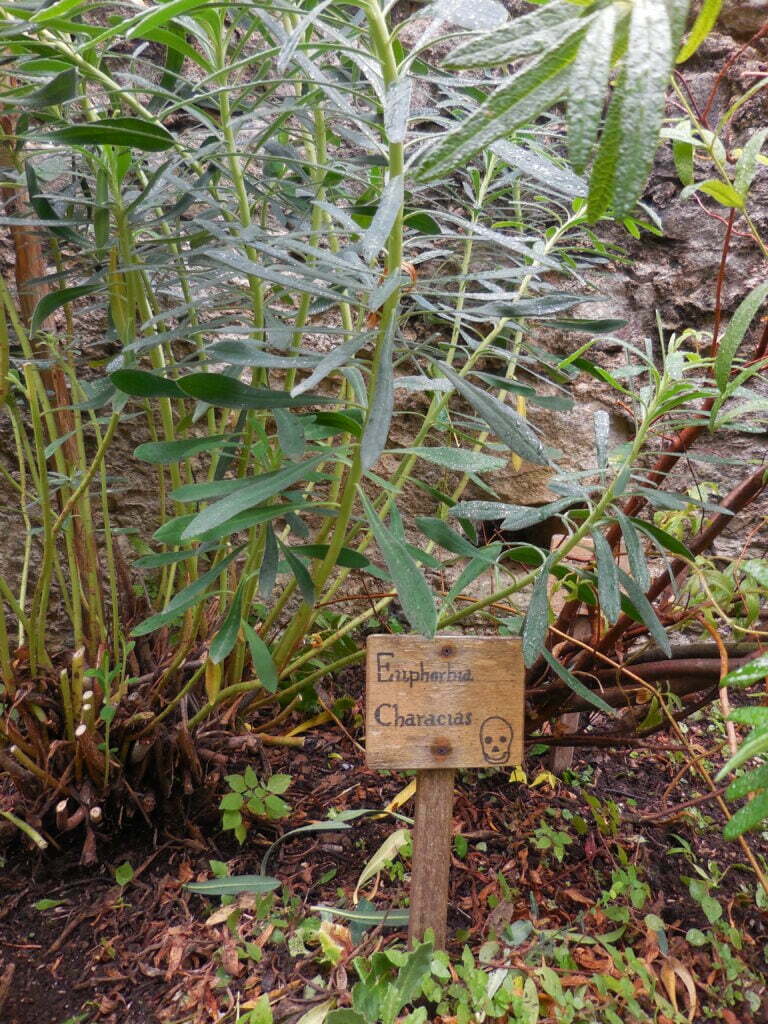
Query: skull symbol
496 739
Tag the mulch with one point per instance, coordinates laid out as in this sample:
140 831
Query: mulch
149 952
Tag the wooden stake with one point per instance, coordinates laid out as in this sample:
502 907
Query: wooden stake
432 835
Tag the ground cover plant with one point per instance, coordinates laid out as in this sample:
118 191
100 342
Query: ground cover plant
321 256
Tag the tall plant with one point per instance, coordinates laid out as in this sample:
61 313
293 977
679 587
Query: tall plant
287 217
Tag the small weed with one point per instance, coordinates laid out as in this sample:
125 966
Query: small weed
249 796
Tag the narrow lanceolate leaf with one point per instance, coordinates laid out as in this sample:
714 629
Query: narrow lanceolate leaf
376 430
536 621
300 574
224 641
607 578
588 87
701 28
234 885
638 566
49 303
648 63
520 517
142 384
747 674
645 611
377 233
575 684
510 428
191 595
163 453
735 331
397 106
229 393
748 817
524 96
525 36
415 595
439 532
269 562
335 359
456 459
746 167
748 783
131 132
263 487
604 166
263 665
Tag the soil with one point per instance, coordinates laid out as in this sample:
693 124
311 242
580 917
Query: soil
148 951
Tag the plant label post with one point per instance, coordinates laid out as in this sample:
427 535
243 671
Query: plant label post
437 705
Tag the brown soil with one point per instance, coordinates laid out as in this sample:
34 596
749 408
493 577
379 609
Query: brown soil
145 953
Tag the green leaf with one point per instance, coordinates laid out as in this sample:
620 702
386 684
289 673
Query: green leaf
278 783
520 517
511 428
735 331
638 566
344 1016
123 874
415 595
263 487
49 303
524 96
378 230
588 85
605 162
263 665
290 433
748 817
648 63
750 782
269 564
397 105
59 89
347 557
645 611
186 598
376 429
607 577
456 459
442 534
231 801
747 163
536 622
163 453
225 639
141 384
161 15
234 885
663 539
523 37
336 358
131 132
276 807
575 684
300 574
721 191
229 393
703 25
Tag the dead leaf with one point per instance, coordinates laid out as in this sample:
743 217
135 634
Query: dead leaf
671 970
578 897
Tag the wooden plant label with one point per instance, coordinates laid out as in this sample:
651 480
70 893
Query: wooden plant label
449 702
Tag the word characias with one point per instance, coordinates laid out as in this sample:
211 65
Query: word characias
389 714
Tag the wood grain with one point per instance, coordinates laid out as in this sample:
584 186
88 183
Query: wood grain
432 836
449 702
